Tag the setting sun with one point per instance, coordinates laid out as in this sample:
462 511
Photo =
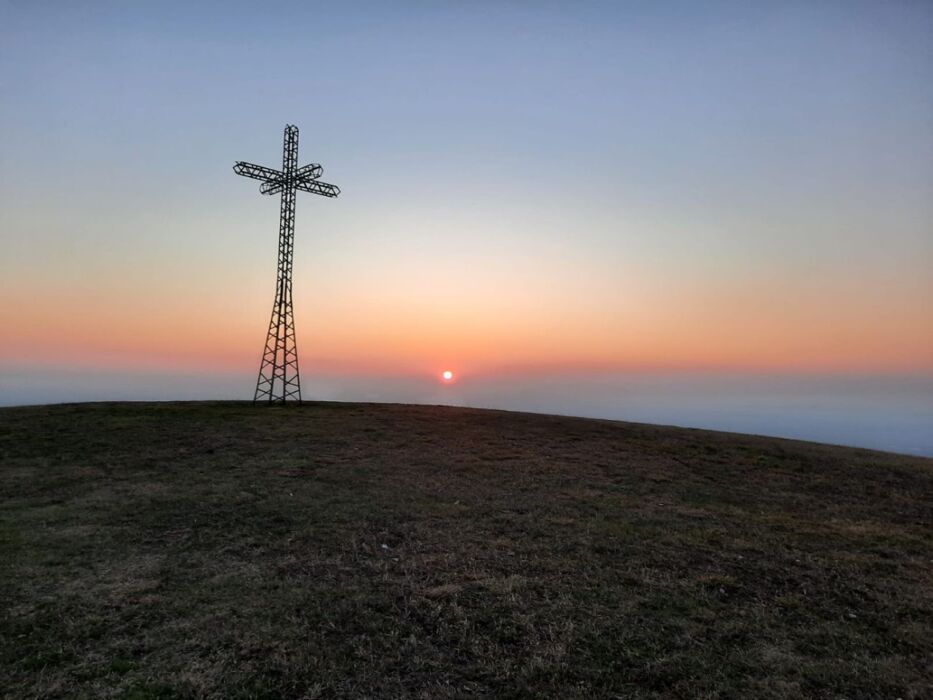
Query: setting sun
447 375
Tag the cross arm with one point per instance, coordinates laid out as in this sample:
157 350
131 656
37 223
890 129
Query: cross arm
317 187
311 171
306 185
257 172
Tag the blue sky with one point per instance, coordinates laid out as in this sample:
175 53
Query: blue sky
714 186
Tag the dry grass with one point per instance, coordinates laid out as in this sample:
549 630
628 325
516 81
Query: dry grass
351 550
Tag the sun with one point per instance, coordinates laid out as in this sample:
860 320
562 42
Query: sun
447 375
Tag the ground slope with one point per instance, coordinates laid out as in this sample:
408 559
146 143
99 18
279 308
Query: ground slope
354 550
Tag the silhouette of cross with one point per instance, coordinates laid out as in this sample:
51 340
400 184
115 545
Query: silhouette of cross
279 380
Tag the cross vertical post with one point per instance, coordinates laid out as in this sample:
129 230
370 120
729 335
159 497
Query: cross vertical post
279 379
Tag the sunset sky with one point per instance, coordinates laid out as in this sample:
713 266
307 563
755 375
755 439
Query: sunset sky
526 187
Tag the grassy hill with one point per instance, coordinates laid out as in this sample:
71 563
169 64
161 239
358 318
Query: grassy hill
359 550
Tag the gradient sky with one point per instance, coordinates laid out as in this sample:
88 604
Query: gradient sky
526 186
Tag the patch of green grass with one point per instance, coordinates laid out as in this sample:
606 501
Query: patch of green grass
148 691
121 666
41 660
360 550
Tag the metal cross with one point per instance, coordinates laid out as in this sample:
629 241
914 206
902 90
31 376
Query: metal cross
279 380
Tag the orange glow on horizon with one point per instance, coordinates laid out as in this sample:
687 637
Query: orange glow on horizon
738 324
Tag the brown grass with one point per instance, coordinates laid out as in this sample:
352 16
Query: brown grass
221 550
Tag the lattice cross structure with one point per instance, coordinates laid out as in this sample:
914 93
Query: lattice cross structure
279 380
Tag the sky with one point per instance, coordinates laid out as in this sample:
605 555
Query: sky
527 188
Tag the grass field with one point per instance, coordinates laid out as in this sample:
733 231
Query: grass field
355 550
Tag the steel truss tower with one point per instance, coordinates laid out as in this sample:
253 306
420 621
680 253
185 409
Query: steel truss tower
279 380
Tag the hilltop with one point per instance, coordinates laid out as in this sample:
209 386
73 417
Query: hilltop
177 550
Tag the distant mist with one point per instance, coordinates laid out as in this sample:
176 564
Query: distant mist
893 413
